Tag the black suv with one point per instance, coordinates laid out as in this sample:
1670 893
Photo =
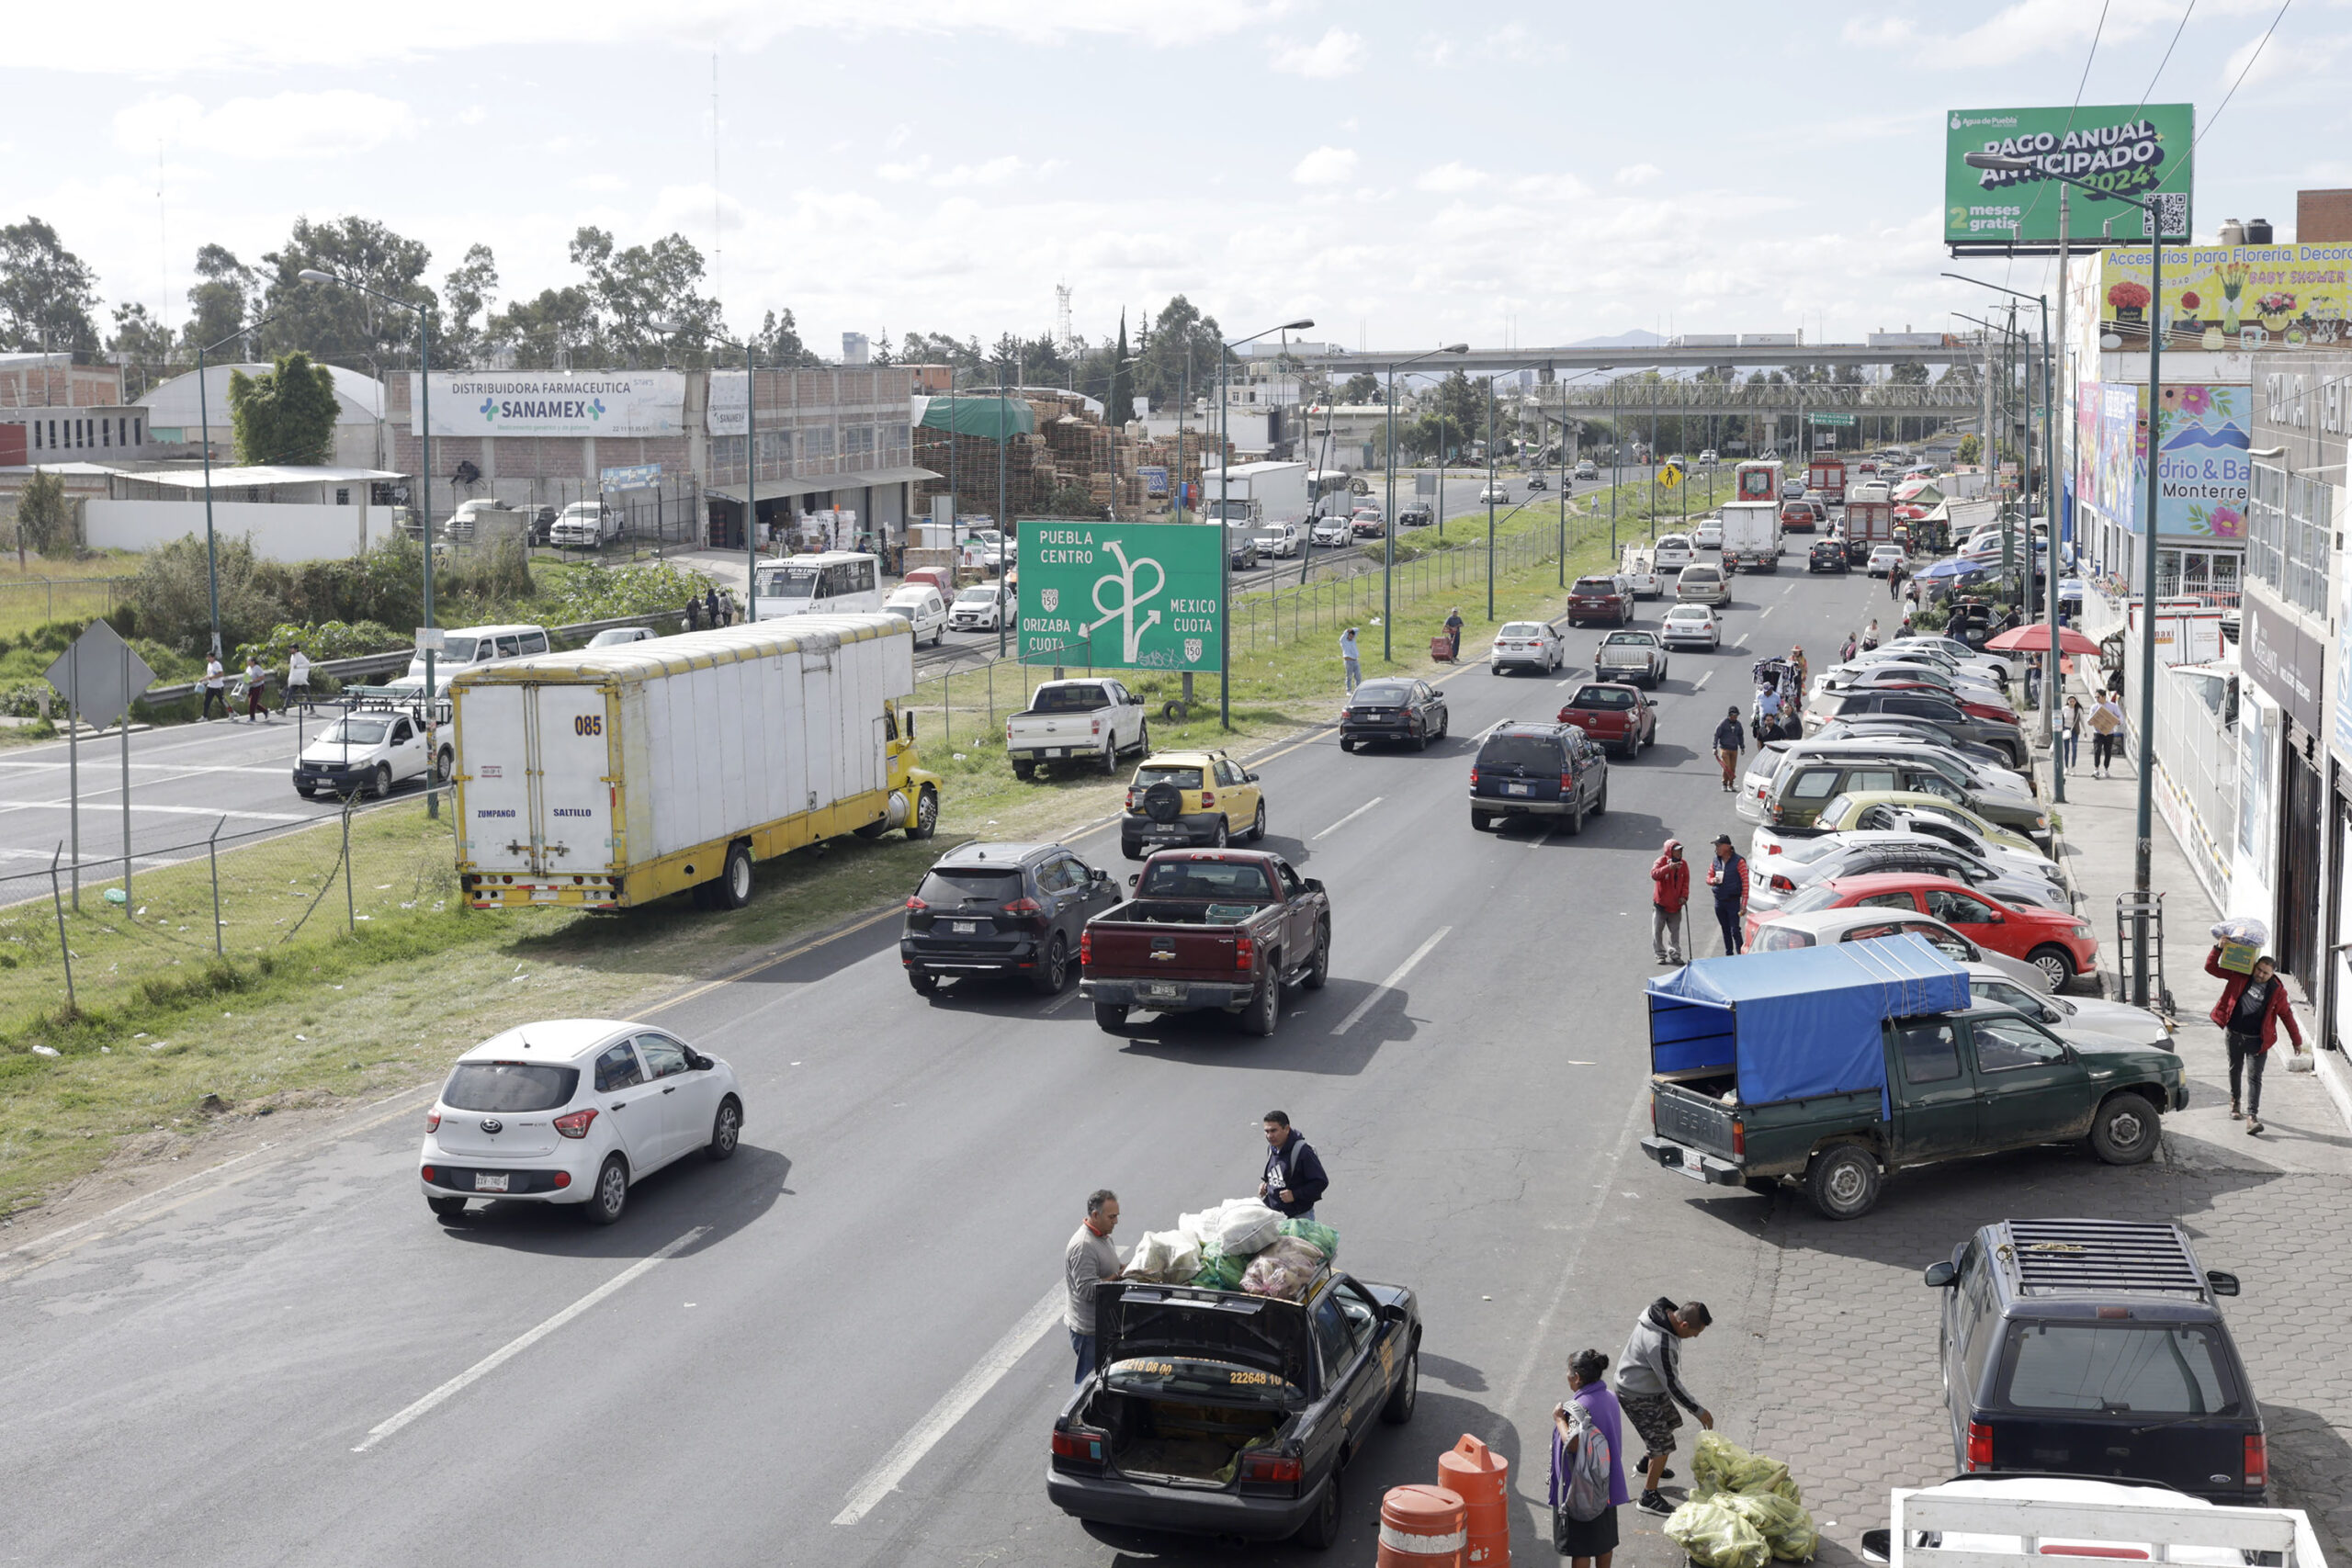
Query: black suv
1416 516
1538 770
2097 1347
1001 910
1827 555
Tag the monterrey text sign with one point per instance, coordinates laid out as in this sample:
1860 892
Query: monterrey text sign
1141 595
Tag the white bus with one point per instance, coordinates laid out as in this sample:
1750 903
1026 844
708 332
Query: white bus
822 584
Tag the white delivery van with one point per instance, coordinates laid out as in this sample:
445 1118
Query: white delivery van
610 777
466 648
920 606
1751 536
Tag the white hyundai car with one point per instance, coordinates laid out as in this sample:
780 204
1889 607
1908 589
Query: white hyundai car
573 1111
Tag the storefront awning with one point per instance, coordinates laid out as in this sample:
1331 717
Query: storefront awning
991 418
777 490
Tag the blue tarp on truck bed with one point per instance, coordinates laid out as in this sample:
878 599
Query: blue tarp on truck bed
1801 1022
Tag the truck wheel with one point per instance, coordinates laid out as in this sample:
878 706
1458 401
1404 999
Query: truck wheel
1480 821
1402 1398
2057 967
1265 1009
1601 801
1321 1530
382 784
925 821
1576 817
2124 1129
1024 771
1143 739
1111 754
1842 1182
1053 971
734 888
1111 1018
1320 970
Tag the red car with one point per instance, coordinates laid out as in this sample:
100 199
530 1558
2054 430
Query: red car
1799 516
1604 601
2056 941
1612 714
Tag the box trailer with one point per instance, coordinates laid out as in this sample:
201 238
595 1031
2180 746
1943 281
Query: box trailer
609 777
1257 493
1751 536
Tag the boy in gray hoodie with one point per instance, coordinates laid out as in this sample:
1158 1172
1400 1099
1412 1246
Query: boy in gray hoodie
1649 1385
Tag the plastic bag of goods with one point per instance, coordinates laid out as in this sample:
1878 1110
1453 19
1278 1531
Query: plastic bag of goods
1315 1233
1285 1268
1245 1226
1716 1536
1786 1528
2242 943
1169 1257
1220 1271
1722 1465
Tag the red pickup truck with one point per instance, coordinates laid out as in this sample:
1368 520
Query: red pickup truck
1223 928
1613 715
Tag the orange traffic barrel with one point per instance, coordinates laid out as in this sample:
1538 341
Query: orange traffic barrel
1481 1478
1422 1527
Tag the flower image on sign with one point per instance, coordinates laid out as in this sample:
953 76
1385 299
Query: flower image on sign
2203 469
549 402
1123 595
2227 299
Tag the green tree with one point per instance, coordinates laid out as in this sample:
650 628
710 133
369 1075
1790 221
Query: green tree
342 325
222 301
46 293
1464 402
1363 387
635 288
1120 410
285 415
172 595
934 348
465 295
1907 373
44 516
1971 448
547 331
779 345
142 347
1163 344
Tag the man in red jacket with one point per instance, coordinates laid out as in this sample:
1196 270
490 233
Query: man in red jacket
2249 1013
1669 891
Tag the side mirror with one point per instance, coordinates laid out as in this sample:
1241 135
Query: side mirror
1250 778
1940 1275
1133 880
1097 874
2222 1284
1314 885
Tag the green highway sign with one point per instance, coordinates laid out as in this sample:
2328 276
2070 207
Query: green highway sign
1141 595
2132 150
1836 419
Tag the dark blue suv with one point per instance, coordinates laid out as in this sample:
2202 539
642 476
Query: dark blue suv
2097 1347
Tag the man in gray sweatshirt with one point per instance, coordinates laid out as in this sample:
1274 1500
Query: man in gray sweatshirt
1649 1385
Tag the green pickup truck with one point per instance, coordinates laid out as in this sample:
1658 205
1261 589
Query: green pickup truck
1863 1058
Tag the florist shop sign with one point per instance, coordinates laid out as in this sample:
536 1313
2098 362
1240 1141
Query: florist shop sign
2228 299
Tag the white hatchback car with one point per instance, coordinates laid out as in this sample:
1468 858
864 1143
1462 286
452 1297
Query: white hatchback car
573 1111
1527 645
1674 551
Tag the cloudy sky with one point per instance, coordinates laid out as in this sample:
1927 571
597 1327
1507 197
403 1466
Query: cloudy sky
1405 175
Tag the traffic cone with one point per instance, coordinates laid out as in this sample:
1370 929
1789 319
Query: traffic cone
1421 1526
1480 1477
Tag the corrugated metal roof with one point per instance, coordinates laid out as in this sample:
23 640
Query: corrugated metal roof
636 662
262 474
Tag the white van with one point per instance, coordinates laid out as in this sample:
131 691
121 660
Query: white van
919 604
469 647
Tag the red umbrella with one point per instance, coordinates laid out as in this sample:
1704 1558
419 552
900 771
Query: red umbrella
2035 639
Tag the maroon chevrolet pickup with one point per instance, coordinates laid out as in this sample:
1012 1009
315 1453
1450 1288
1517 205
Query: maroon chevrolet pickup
1222 929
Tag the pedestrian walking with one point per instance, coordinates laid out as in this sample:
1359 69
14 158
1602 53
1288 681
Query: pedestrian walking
256 682
1669 891
2107 733
216 686
1729 741
728 610
1088 1261
1454 632
1649 1386
1294 1176
694 612
2249 1013
1727 875
1869 635
1846 653
1351 660
2033 683
1588 1447
2073 729
1895 581
298 679
710 605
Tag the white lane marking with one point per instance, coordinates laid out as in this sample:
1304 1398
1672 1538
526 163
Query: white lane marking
954 1405
1765 611
1543 838
521 1342
184 770
93 796
1704 679
1396 977
1058 1004
1349 817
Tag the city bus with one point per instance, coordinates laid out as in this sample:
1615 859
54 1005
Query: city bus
822 583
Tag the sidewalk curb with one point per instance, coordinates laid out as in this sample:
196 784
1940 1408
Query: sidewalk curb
2079 901
2335 1076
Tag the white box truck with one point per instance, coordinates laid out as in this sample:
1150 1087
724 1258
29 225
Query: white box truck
609 777
1257 493
1752 535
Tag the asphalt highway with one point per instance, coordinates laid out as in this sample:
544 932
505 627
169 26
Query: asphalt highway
844 1346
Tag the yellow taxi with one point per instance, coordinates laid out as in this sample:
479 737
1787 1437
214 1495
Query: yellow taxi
1186 799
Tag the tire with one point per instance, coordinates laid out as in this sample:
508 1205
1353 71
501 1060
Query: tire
726 1131
1842 1182
1496 669
445 766
1422 739
1024 771
1111 754
449 1208
1445 724
1111 1018
2123 1131
1265 1009
1398 1409
1224 835
1321 1531
1601 801
1320 970
1258 826
924 985
610 1195
734 889
2056 964
1576 817
1480 821
1347 747
1143 739
1053 974
382 787
925 821
304 792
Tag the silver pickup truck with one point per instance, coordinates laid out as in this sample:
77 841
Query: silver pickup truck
1636 657
1094 720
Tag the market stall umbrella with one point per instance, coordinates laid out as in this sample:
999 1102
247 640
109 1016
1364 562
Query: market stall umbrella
2035 639
1958 566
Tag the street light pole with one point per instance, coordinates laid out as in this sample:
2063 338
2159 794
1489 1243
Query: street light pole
1224 493
1388 554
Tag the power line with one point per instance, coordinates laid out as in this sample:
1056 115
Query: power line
2249 65
2187 12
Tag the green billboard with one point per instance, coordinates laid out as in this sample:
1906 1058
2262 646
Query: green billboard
2131 150
1138 596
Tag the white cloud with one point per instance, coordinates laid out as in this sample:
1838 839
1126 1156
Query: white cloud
2031 28
1451 177
473 114
1637 174
911 169
1324 167
599 184
333 124
1338 52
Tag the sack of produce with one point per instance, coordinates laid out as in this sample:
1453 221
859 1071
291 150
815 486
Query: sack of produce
1722 1465
1168 1257
1284 1270
1786 1528
1715 1535
1315 1234
1220 1271
1244 1226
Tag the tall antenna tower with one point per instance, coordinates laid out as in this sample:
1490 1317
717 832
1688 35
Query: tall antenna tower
1061 318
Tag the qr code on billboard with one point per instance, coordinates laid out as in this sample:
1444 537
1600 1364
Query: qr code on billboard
2172 214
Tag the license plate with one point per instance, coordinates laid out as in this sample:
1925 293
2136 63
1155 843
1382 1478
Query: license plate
1518 789
1051 752
963 927
542 894
1163 990
1167 836
490 1182
1694 1164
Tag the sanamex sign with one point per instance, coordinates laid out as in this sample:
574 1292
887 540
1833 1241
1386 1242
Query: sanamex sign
549 402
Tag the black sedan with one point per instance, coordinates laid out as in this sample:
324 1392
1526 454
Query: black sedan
1827 555
1394 710
1001 910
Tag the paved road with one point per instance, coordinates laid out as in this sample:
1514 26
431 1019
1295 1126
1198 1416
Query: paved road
875 1273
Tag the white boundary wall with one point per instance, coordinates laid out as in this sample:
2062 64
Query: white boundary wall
279 533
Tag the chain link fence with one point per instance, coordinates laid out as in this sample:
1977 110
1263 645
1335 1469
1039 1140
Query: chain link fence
29 601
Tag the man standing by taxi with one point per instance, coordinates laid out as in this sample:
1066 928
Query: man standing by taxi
1294 1176
1089 1260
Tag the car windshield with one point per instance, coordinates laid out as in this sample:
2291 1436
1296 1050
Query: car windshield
792 582
1595 585
1181 777
1521 754
2117 1369
1223 880
976 594
1687 613
1701 574
1820 896
509 1086
1382 693
1522 629
969 884
1629 639
904 612
615 636
1772 937
1602 697
1674 542
357 732
1070 699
